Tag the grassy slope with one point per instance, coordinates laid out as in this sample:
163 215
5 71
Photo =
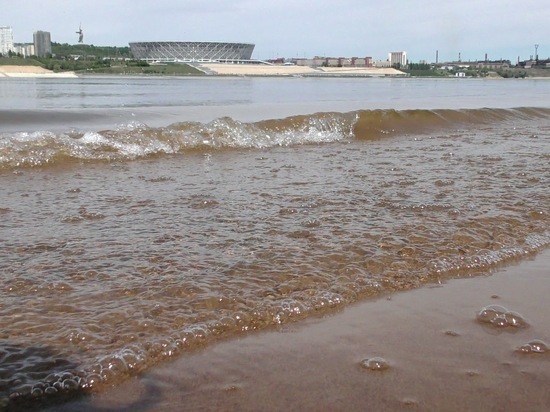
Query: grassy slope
166 70
86 67
19 61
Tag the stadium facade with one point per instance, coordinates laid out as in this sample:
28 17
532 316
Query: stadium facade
165 52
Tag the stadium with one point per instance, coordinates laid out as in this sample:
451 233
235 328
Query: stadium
166 52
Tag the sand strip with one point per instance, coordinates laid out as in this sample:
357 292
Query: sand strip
290 70
440 357
32 72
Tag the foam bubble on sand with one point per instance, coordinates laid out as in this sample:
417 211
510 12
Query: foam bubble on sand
501 317
375 364
534 346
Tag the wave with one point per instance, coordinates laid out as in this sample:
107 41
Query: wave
135 141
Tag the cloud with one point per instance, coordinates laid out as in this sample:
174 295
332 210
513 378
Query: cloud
292 27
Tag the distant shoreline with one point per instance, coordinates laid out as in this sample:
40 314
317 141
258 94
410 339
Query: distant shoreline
219 69
222 69
232 70
32 72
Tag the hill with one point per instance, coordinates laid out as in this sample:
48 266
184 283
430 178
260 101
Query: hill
64 50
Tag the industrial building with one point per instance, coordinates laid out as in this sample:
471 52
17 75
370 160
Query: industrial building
165 52
6 40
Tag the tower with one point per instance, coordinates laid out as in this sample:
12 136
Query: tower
42 43
6 40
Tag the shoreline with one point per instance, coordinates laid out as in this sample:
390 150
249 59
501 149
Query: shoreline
240 70
221 69
32 72
439 356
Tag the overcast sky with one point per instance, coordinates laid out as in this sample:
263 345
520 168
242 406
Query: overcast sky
300 28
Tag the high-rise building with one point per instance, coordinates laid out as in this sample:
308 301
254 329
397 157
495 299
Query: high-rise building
42 43
398 58
6 40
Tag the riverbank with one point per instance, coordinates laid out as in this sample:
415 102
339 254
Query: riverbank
32 71
224 69
435 357
292 70
218 69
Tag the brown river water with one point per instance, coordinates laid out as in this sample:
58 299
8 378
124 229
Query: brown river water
123 247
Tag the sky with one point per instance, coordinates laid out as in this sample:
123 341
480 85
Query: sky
300 28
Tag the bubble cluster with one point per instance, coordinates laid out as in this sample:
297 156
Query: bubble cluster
534 346
54 384
375 364
107 370
501 317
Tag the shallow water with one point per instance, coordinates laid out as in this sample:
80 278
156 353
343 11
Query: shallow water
123 247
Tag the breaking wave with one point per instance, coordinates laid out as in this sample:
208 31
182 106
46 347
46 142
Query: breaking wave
136 141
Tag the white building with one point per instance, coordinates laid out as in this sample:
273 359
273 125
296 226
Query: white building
6 40
398 58
24 49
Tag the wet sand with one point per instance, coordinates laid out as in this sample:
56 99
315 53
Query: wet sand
440 357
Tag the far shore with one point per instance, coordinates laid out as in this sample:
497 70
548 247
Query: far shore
292 70
32 72
221 69
239 70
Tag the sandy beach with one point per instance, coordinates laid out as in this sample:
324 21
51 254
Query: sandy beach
438 357
284 70
226 70
32 71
